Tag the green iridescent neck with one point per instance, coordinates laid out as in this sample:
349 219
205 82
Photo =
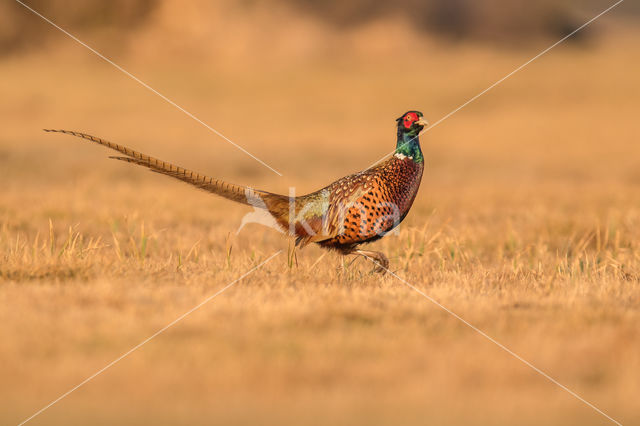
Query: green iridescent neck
409 145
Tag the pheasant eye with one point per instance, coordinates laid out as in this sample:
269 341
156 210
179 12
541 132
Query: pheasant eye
408 121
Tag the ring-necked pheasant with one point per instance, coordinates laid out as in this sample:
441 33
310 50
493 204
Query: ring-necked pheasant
356 209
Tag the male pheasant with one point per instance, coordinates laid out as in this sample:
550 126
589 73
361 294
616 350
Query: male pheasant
359 208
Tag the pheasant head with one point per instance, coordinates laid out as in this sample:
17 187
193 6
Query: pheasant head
410 124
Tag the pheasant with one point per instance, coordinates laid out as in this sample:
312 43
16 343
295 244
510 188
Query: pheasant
357 209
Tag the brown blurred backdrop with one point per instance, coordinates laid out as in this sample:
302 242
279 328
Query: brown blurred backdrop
493 21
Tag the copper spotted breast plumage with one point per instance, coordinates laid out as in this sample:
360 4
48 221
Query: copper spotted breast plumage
388 193
357 209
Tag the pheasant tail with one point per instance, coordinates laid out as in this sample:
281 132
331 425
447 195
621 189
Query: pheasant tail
276 204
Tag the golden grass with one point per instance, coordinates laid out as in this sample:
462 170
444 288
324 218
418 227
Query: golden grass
527 225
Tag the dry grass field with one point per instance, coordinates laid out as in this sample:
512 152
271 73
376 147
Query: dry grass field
527 225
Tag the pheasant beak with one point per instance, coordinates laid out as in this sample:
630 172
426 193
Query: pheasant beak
422 122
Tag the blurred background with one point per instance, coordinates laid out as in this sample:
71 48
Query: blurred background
344 70
528 213
492 21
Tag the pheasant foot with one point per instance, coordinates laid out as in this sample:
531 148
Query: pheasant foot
381 261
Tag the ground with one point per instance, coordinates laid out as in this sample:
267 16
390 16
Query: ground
527 226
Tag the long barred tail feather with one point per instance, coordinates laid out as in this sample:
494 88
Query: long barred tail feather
238 193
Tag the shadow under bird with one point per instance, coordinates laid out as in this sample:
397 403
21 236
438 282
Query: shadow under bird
356 209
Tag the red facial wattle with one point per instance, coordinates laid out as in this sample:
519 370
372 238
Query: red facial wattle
409 119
